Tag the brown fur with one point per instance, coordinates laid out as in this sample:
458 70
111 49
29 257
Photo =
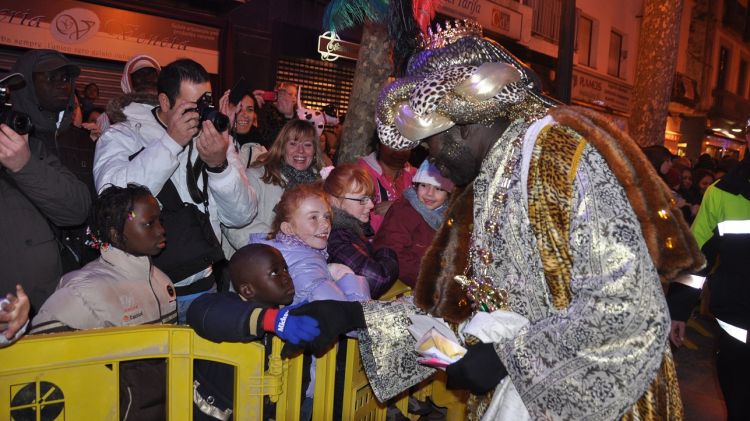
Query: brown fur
116 105
436 292
647 193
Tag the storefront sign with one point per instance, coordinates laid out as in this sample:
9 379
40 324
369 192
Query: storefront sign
331 47
601 91
493 17
91 30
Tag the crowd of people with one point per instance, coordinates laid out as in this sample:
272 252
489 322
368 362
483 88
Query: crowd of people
127 216
233 216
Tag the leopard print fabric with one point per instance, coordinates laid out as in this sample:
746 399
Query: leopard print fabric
427 93
550 189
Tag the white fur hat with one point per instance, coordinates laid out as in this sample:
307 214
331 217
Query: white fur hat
429 174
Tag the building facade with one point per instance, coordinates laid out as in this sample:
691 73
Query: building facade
711 93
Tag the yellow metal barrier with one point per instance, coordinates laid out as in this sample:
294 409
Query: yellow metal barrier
396 290
75 376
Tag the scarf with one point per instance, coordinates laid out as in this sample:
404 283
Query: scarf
433 217
293 176
342 220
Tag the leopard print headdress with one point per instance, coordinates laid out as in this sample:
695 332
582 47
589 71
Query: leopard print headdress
458 77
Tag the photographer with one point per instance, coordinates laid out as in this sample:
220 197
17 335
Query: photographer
179 157
36 190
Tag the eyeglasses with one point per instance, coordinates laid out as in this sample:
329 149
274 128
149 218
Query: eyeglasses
362 200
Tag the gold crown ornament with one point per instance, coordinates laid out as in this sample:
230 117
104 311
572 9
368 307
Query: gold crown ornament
441 37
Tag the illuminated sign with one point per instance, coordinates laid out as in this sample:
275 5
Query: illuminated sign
331 47
91 30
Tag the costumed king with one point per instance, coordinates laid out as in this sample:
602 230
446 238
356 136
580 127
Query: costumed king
560 222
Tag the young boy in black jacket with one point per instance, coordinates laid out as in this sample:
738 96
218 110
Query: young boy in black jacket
262 283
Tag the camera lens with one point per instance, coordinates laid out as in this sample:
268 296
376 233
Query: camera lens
18 121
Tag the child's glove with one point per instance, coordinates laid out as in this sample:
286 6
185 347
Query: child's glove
292 329
479 371
334 318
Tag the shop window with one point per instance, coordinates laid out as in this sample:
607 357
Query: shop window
322 82
616 55
584 41
545 21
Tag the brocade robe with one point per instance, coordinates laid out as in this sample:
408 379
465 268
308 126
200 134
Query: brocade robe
594 355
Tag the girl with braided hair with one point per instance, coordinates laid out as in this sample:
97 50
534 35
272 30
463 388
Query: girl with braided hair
121 287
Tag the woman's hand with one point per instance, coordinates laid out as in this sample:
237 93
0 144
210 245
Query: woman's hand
14 312
227 108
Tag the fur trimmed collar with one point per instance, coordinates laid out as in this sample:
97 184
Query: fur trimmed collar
116 106
670 242
342 220
436 292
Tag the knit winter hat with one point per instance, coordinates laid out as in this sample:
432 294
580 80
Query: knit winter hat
429 174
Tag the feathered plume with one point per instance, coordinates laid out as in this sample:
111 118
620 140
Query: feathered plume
343 14
424 12
403 31
406 20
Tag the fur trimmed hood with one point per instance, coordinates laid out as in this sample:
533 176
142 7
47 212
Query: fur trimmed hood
116 106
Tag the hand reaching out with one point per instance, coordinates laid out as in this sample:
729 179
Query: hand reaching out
334 318
14 312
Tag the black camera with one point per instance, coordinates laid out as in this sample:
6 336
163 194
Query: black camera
206 111
16 120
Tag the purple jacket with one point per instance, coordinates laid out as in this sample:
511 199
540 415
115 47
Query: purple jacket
347 245
309 271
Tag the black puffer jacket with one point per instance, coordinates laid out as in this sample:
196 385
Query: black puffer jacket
42 192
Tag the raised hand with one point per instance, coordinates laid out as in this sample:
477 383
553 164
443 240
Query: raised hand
212 145
182 123
226 107
14 149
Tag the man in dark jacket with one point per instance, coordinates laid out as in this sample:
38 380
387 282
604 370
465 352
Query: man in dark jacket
36 190
273 115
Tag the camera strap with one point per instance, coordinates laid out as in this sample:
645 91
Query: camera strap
193 172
